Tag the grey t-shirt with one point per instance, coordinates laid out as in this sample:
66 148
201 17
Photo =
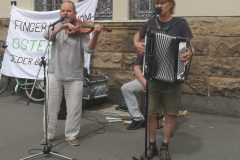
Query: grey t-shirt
67 56
177 26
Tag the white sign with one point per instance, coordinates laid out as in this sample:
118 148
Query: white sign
26 44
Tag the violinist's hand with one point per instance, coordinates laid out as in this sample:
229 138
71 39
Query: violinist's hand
68 26
98 29
186 56
141 47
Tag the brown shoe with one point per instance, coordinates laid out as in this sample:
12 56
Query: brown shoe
73 142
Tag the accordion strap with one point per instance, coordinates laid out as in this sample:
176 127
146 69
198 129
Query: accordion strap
175 21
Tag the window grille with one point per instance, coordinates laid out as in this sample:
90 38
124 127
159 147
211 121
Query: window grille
104 10
141 9
138 9
47 5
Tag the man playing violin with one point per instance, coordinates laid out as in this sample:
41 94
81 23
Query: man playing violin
65 72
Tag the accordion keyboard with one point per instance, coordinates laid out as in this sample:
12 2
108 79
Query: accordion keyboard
165 64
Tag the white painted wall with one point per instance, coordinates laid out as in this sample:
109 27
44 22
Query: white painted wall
207 8
6 6
120 10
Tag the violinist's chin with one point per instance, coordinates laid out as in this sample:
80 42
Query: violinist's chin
67 20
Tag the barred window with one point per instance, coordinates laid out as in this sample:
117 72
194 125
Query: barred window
47 5
141 9
138 9
103 11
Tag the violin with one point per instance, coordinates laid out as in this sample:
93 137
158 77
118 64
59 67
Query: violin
85 27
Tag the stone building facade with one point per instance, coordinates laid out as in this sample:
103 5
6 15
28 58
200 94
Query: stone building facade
214 78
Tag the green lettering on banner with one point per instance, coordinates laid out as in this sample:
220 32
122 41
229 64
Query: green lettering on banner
24 43
33 44
30 45
15 43
40 46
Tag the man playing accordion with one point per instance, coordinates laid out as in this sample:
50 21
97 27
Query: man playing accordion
163 96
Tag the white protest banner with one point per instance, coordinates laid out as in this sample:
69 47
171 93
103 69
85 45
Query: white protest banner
26 44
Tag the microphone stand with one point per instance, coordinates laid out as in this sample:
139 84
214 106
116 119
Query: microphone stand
149 51
147 68
47 147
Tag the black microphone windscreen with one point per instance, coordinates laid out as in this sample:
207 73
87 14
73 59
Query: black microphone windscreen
58 21
157 11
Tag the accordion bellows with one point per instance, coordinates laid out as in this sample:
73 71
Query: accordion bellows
163 63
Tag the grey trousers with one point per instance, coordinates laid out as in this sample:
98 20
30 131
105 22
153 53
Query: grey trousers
129 91
73 94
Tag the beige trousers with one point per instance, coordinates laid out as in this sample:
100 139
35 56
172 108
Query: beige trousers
73 91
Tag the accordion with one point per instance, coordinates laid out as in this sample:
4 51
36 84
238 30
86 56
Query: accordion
162 60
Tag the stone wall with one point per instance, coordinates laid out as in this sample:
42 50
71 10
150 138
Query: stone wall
214 78
216 65
3 32
215 69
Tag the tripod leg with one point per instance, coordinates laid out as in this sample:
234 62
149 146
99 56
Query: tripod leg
47 150
35 155
42 153
58 155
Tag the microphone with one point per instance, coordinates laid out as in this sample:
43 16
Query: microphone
157 11
4 46
58 21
